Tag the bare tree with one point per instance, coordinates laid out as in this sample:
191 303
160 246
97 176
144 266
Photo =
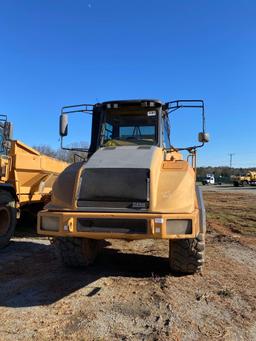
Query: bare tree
46 150
64 154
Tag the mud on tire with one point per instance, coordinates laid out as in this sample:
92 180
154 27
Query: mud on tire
77 252
187 255
7 217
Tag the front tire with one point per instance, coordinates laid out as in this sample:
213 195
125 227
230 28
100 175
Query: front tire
187 255
8 219
77 252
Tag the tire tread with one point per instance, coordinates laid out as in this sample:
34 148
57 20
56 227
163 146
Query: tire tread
187 255
76 252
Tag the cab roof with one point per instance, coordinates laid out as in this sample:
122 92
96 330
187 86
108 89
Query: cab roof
132 102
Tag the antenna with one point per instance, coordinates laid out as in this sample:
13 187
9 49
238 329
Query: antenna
231 159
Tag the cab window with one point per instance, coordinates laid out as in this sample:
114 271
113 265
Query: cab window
127 128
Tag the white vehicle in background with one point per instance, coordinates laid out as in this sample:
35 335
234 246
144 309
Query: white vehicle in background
209 179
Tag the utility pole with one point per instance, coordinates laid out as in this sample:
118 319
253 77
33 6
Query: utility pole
231 159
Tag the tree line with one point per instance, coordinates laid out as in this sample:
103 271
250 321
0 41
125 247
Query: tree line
222 171
63 154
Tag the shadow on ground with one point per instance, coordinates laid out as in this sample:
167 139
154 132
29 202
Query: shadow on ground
31 275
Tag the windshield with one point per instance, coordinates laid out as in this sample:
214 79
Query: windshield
130 128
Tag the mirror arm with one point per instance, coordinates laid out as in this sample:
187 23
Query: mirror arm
83 150
189 149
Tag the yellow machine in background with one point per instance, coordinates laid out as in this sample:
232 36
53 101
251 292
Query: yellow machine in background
26 180
135 185
245 180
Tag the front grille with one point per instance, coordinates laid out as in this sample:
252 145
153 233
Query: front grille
110 225
103 187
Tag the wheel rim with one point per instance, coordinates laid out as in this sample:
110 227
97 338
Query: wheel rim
5 220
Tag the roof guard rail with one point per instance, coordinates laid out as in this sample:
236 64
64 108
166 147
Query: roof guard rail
86 108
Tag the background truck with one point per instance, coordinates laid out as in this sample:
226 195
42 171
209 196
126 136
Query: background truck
135 185
212 179
245 180
26 179
209 179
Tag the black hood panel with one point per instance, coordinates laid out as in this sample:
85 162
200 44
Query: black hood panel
118 185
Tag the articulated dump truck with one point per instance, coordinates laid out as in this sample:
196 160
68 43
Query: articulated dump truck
245 180
26 179
134 185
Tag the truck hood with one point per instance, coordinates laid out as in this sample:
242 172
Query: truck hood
127 178
117 177
122 157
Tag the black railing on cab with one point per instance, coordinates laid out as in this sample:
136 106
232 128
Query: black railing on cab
63 128
172 106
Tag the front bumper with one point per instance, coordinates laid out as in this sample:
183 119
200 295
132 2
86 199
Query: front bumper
132 225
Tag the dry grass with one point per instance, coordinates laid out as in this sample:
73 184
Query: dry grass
234 211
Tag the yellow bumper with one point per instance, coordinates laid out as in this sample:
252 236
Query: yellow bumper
157 226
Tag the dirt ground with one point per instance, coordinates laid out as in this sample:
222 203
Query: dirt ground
129 294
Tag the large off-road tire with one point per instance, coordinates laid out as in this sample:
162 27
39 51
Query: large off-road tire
77 252
28 215
187 255
7 217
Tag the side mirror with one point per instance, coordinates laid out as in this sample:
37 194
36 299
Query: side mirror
63 125
203 137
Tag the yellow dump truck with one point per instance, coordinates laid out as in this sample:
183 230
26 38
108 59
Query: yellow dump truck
26 179
135 185
245 180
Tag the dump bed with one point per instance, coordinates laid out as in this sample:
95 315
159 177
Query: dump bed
31 173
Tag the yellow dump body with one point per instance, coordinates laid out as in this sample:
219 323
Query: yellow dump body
30 173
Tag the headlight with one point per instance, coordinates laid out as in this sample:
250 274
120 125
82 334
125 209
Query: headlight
179 226
50 223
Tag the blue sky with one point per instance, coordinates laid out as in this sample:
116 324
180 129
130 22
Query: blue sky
55 53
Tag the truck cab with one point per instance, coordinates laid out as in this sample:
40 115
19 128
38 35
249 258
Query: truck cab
134 185
209 179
